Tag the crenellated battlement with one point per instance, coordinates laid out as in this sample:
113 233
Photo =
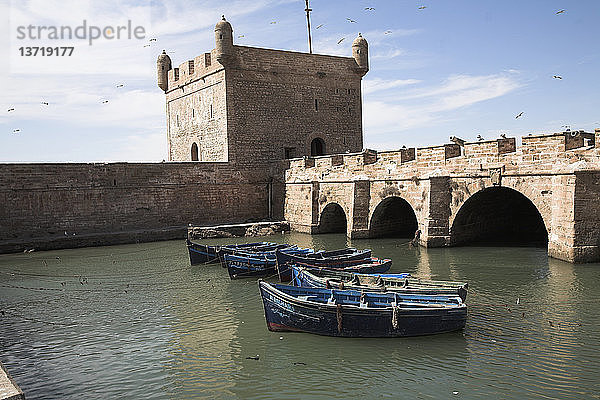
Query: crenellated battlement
547 152
192 70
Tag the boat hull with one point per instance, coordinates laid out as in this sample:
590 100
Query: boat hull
306 278
285 314
284 260
245 267
202 254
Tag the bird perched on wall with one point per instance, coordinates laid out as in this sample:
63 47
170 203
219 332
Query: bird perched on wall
503 136
519 115
560 12
479 137
10 109
350 20
341 40
457 140
557 76
319 26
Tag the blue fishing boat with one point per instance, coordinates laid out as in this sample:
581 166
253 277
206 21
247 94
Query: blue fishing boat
265 249
350 313
202 253
247 265
401 283
326 259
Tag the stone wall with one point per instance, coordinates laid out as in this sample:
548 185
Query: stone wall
548 187
72 205
196 113
263 105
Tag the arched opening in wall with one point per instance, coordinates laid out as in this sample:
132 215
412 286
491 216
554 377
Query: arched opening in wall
333 219
317 147
498 216
393 217
194 152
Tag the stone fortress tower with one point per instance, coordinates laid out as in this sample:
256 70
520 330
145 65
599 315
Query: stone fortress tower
249 106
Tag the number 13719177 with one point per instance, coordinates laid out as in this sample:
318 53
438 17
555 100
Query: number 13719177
46 51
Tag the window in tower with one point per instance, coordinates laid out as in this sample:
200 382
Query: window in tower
317 147
194 152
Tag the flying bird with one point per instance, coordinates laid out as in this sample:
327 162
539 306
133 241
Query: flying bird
16 130
45 103
319 26
241 36
11 109
519 114
560 12
341 40
152 40
104 101
479 137
147 45
350 20
557 76
273 22
387 32
422 7
503 136
120 85
369 8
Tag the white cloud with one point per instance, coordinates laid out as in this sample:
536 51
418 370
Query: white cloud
377 84
430 105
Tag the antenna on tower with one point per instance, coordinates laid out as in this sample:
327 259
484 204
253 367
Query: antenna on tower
308 10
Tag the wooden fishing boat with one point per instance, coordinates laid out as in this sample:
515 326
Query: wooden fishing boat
350 313
401 283
247 264
260 250
326 259
202 253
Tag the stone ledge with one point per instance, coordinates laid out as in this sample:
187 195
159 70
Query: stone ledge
92 239
9 390
238 230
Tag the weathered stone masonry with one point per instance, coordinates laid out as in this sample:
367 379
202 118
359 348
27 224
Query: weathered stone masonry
457 194
48 206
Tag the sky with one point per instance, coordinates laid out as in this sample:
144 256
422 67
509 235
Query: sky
438 68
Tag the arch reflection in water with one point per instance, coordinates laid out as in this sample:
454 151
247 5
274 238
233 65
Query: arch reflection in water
499 216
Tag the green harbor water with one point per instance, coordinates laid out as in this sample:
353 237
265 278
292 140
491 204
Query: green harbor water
138 322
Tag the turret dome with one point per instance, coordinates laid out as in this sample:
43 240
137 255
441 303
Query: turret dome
360 41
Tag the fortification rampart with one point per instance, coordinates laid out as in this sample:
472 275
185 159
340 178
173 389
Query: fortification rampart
546 189
47 206
537 154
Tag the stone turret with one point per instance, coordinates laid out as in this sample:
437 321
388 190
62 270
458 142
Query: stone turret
223 41
360 52
163 65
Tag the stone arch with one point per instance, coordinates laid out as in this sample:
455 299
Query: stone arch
317 147
333 219
498 215
393 217
194 152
